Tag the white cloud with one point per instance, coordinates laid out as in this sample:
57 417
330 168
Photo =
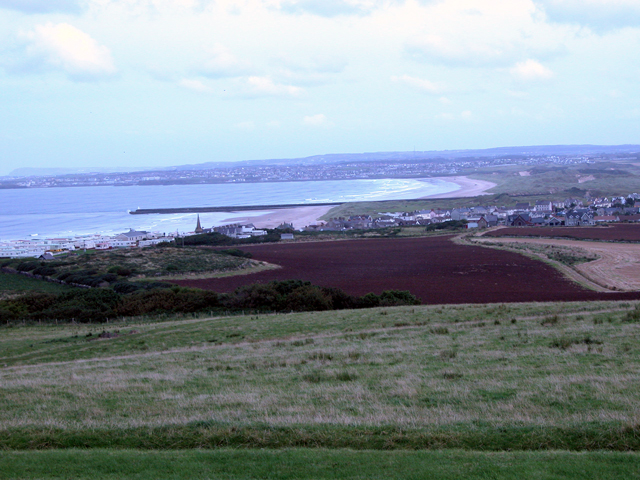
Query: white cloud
161 6
419 83
324 8
265 86
319 120
309 70
479 33
273 124
530 70
466 115
195 85
70 49
220 62
597 14
42 6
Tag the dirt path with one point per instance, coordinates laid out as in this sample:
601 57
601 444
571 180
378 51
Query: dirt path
618 267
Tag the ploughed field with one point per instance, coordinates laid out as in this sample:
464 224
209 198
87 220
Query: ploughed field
435 269
625 232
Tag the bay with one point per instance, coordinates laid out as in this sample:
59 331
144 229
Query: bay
47 212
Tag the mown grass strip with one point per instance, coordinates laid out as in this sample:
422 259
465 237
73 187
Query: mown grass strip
316 464
588 437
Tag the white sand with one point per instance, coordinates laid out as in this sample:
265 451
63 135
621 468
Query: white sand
303 216
299 216
469 187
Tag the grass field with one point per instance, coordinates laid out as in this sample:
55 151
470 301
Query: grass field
153 262
544 391
602 178
316 464
525 184
497 377
11 284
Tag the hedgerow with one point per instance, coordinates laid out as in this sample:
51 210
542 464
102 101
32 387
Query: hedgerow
129 299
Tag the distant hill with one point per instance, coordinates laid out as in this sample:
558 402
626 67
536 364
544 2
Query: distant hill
447 155
429 155
52 172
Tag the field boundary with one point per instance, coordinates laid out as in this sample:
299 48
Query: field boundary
569 272
213 435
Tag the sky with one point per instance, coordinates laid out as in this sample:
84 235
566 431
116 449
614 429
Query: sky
138 83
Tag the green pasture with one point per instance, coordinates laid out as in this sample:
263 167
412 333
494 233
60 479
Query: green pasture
12 284
543 182
315 464
498 377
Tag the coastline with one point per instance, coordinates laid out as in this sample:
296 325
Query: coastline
303 216
299 216
469 187
92 217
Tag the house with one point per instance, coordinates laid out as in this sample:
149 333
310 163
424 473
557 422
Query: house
132 235
492 220
554 221
154 241
240 231
360 222
118 243
286 236
314 227
338 224
523 207
543 206
477 222
519 220
576 218
606 218
285 226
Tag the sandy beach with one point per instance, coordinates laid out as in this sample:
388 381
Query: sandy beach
303 216
469 187
299 216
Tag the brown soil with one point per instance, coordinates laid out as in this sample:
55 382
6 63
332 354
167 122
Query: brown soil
623 232
433 268
617 268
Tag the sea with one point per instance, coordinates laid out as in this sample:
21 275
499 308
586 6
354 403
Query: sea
74 211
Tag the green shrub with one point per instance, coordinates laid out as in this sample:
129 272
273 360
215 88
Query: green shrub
306 299
235 252
120 271
27 266
44 271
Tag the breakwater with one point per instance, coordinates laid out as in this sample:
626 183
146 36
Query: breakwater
237 208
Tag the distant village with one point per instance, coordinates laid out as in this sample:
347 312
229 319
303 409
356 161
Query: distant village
48 248
571 212
568 212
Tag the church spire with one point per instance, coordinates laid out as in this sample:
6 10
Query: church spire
198 226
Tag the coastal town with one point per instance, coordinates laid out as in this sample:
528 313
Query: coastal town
566 212
345 167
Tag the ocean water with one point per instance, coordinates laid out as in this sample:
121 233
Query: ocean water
50 212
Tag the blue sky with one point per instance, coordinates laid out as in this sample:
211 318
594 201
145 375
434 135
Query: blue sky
168 82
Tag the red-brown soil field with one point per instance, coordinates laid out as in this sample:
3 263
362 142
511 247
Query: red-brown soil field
434 269
624 232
